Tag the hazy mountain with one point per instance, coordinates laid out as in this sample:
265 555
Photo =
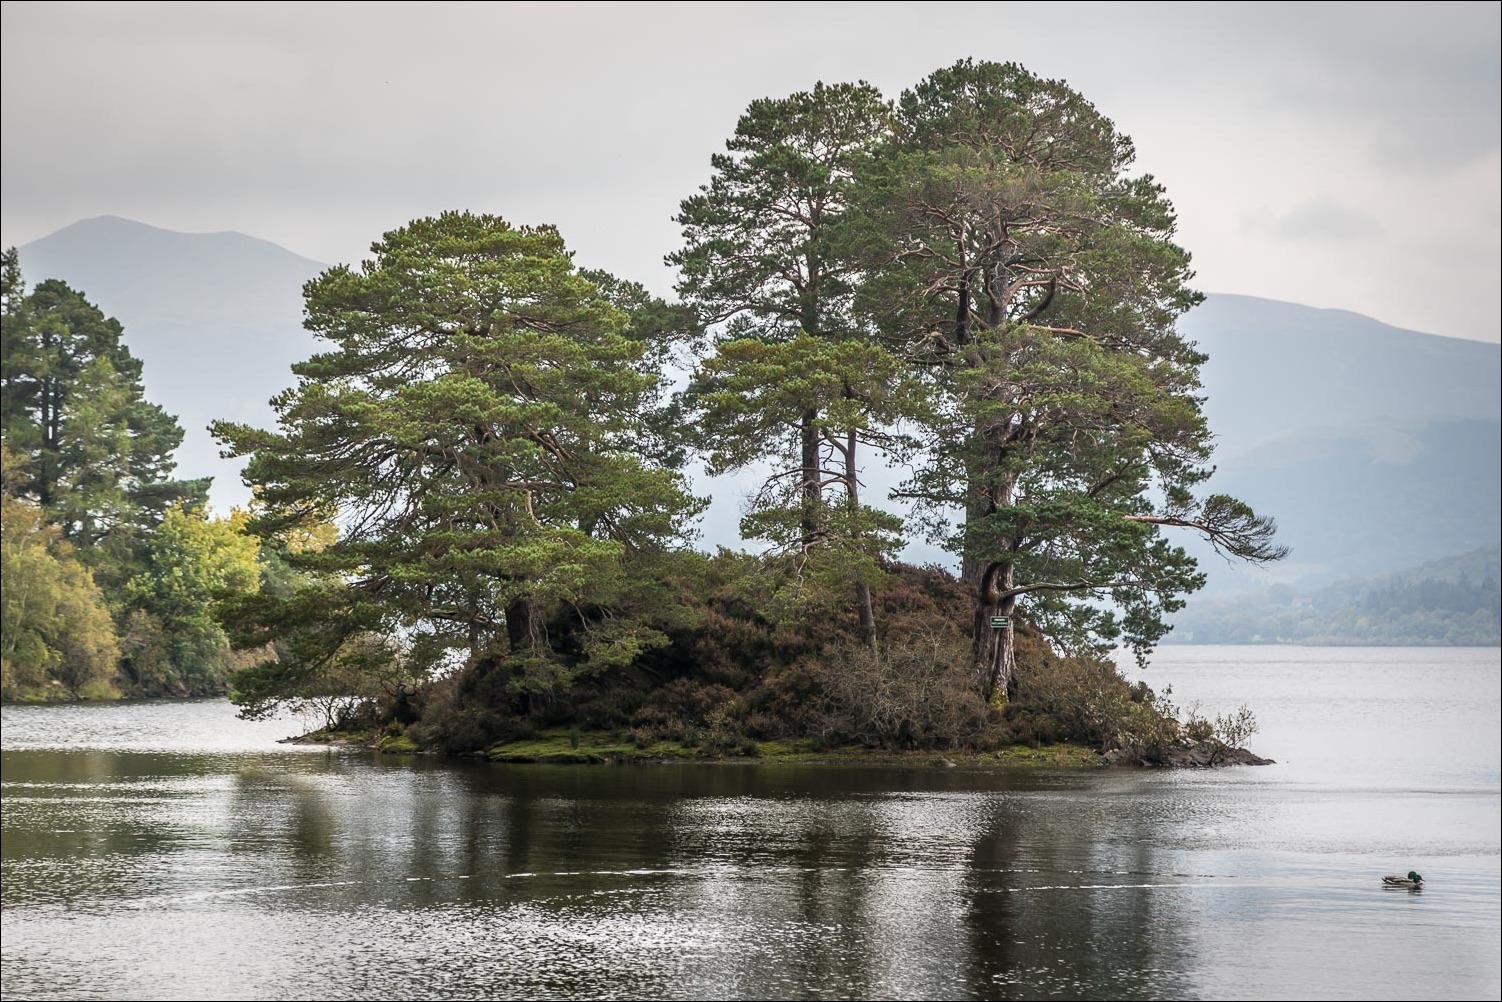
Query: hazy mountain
1281 371
1366 502
216 318
1375 447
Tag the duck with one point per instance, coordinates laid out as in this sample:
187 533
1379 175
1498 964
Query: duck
1412 880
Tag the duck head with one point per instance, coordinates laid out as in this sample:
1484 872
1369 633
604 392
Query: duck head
1415 877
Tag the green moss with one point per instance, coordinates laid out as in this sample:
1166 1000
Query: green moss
1060 756
397 744
327 736
572 746
1056 756
566 747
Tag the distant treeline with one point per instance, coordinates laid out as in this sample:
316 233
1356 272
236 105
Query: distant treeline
1455 602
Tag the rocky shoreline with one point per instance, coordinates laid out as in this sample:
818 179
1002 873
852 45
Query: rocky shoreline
1198 755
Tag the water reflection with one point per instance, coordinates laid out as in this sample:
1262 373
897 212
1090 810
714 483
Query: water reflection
341 876
682 881
261 872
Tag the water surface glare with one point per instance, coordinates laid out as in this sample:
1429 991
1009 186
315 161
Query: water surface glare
168 850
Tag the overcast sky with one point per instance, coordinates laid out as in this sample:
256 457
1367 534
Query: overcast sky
1334 155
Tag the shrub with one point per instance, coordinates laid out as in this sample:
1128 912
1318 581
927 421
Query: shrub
914 693
1085 700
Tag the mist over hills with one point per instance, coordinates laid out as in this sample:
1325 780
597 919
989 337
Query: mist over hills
1453 601
1376 448
1279 371
1366 501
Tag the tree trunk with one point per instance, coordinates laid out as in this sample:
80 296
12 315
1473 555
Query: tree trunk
47 473
863 605
996 649
867 612
519 625
808 432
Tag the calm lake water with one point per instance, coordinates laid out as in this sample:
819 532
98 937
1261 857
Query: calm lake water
167 850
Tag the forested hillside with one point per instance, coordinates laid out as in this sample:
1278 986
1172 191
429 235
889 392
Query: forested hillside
1451 602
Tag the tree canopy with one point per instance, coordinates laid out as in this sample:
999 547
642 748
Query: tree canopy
98 454
113 569
477 423
54 624
1016 260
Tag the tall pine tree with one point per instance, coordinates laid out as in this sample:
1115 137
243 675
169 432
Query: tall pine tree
477 423
763 253
1014 256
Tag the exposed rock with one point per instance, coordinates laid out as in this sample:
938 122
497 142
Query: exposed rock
1203 755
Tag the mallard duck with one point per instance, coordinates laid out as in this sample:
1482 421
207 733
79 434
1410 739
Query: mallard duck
1412 880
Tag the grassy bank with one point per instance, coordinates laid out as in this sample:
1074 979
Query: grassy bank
568 747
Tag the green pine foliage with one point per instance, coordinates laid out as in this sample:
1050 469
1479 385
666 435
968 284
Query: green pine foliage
794 382
477 422
98 454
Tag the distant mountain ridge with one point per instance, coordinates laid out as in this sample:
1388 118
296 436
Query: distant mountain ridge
1368 501
134 264
1373 446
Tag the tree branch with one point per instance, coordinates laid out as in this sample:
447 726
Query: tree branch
1230 526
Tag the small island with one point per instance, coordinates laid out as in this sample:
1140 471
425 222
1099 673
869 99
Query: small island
472 527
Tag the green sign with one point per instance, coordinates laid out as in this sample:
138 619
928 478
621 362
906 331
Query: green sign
1000 622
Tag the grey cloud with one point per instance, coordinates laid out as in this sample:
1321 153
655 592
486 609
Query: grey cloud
1324 219
1418 81
322 125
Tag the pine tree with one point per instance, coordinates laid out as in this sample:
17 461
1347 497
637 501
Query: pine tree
763 253
476 421
1012 254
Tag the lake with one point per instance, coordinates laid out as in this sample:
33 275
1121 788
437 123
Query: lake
168 850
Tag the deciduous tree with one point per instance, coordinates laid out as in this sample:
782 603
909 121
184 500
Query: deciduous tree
54 625
172 641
